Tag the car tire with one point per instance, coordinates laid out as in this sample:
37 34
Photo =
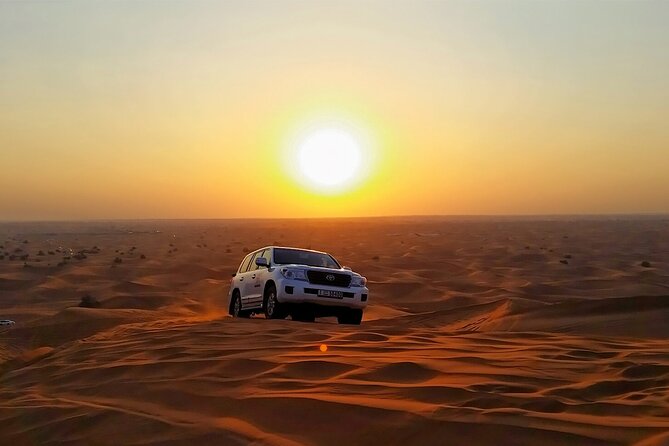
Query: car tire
236 307
303 313
350 316
272 307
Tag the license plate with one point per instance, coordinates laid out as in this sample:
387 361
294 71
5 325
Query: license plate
328 293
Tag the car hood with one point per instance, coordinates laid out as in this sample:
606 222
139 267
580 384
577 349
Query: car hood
319 268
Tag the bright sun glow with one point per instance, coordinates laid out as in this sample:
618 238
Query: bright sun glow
330 158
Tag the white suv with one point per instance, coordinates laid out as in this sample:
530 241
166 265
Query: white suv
302 283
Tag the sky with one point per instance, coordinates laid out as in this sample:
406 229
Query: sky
199 109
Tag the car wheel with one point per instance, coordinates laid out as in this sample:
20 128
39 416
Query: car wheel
273 308
350 317
303 313
237 306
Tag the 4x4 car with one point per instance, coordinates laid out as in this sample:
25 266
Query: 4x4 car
302 283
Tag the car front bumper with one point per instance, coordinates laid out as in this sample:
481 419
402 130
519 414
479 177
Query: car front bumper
299 291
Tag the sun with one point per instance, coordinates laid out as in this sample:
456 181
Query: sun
330 155
329 158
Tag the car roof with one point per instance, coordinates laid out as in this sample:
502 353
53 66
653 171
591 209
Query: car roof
290 247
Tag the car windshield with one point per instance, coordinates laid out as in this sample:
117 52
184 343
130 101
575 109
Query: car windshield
284 256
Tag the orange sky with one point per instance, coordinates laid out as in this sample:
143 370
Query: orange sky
189 109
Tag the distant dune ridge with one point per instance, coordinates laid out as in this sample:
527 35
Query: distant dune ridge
484 331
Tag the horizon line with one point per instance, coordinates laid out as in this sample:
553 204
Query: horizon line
140 219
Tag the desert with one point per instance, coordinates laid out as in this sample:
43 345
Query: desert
472 191
480 330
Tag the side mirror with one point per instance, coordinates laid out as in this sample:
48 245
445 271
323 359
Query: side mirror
262 262
347 268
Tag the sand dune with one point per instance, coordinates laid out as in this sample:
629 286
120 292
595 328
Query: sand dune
477 333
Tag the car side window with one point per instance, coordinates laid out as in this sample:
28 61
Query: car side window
245 264
252 264
268 255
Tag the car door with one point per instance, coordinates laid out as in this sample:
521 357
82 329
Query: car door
250 293
242 279
258 277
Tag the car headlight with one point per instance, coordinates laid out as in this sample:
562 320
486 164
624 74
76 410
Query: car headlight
358 281
294 273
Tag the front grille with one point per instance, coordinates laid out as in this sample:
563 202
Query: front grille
321 278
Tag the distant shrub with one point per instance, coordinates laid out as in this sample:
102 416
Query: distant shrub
645 264
118 260
89 301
